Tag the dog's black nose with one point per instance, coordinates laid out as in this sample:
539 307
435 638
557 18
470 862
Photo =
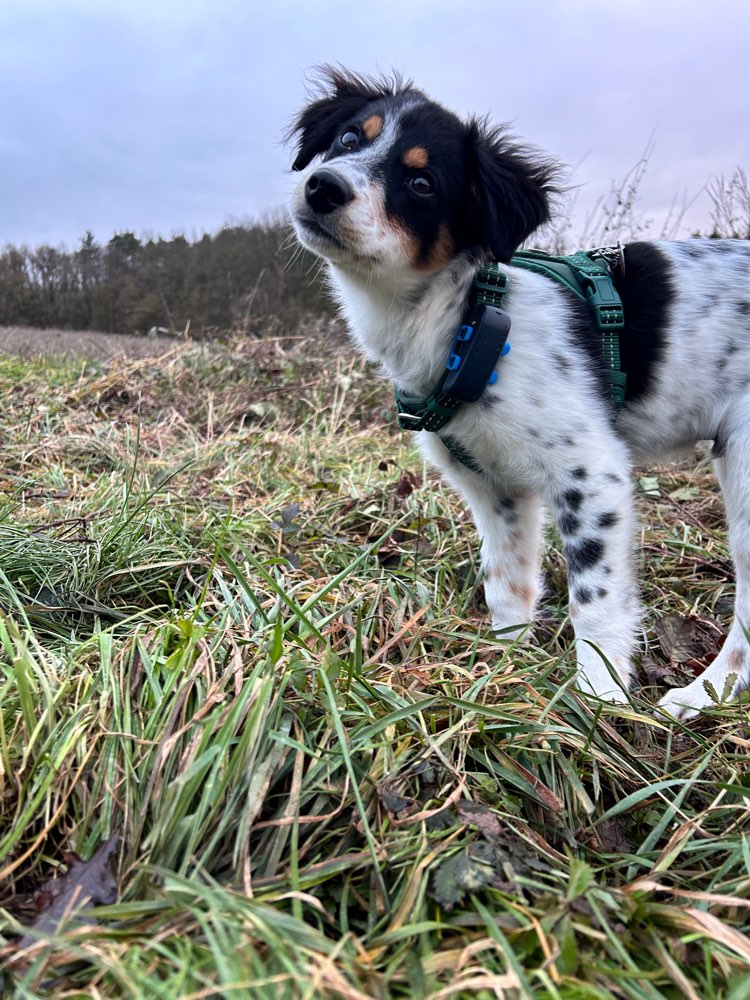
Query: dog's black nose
326 191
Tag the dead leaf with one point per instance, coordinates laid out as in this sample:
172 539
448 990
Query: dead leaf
389 554
286 522
406 485
650 486
64 899
394 802
467 871
682 639
610 838
685 493
480 816
658 673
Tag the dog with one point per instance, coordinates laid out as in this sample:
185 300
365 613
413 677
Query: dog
404 201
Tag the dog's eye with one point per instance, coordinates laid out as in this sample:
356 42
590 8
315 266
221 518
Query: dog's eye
350 139
422 184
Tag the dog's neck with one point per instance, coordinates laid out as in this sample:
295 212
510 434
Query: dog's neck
404 324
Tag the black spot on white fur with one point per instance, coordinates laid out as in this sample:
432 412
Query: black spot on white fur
607 520
584 555
572 499
506 508
568 523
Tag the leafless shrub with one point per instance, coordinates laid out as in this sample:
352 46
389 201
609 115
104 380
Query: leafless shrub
614 217
730 211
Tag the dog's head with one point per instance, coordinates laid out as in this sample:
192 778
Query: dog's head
403 183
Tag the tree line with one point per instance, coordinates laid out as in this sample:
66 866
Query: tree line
247 276
235 279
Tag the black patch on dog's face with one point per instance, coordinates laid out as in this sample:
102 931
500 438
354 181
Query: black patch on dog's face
436 217
344 97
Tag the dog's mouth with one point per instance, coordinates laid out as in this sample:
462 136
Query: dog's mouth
310 228
317 237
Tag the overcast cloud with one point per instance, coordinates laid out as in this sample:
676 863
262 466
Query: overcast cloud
166 116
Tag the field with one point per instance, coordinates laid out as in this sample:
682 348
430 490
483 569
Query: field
257 741
27 342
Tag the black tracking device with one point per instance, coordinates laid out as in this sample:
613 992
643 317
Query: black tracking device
475 353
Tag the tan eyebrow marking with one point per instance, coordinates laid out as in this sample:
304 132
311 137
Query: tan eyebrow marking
372 126
415 157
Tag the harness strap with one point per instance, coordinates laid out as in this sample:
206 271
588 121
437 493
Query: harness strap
586 274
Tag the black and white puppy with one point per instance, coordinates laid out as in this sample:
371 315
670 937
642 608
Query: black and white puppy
403 200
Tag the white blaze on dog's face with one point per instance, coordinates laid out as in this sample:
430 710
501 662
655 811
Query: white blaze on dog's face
400 185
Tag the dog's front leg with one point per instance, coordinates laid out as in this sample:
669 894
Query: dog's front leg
594 514
510 533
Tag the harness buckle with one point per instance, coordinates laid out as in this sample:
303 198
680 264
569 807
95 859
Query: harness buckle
409 418
604 301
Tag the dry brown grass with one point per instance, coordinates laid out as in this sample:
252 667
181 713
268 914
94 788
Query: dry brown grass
28 342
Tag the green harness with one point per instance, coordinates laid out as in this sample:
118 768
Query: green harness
586 274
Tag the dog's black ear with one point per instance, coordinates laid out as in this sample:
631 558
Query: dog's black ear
344 96
510 190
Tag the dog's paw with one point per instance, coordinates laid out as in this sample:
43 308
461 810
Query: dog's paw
597 676
602 685
685 702
509 631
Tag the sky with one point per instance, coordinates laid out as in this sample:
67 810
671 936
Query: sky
167 116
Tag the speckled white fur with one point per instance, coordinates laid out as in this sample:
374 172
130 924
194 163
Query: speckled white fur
570 429
543 434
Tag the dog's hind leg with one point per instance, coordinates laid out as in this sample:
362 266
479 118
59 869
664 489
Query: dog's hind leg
730 671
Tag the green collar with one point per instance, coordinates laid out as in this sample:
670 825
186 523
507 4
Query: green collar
585 273
431 412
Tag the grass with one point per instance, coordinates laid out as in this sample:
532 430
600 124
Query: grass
245 662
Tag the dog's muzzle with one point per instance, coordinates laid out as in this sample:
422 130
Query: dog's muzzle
325 191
